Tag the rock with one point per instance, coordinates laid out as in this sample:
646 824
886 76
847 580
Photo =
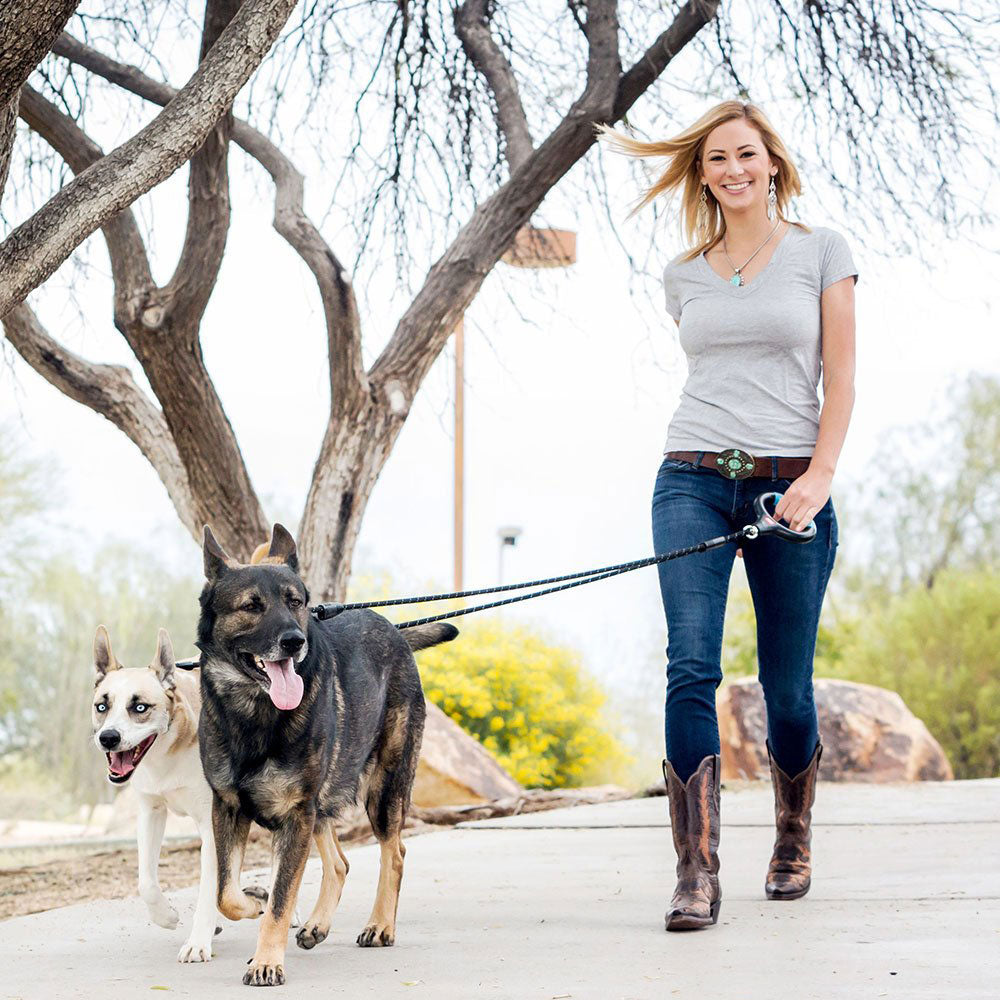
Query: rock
454 768
867 732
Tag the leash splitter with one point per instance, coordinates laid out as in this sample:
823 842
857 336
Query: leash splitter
766 524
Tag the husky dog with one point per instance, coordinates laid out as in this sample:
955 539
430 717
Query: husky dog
146 721
299 720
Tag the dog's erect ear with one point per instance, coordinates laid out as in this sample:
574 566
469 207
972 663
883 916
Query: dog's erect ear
283 547
104 659
216 560
163 663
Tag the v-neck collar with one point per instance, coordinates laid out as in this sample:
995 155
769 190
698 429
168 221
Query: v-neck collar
726 284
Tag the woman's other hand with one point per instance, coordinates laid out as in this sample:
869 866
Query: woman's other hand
804 499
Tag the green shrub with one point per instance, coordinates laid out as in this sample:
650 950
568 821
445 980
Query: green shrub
940 649
530 703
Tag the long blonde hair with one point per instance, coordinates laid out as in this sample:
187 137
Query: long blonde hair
684 155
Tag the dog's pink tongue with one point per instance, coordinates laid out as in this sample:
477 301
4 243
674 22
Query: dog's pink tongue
121 762
286 685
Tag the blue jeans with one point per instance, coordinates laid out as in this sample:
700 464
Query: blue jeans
787 582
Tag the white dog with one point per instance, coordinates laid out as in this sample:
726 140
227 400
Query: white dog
149 716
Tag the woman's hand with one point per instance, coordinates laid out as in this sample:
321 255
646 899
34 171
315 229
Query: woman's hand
803 500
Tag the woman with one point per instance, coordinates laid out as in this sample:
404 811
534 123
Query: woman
763 306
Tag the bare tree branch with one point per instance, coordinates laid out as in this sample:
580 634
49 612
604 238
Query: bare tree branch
133 280
454 280
27 29
187 293
473 28
111 391
37 247
347 375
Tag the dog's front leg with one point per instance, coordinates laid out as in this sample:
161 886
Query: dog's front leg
198 947
231 827
152 820
291 849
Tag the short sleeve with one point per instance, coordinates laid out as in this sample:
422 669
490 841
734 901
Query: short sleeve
837 262
671 288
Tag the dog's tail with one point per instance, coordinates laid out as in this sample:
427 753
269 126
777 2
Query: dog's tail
422 636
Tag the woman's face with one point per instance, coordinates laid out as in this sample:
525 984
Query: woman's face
736 167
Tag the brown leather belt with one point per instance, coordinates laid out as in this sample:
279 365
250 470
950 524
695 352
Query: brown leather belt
737 464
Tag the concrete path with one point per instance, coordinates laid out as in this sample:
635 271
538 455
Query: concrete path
568 904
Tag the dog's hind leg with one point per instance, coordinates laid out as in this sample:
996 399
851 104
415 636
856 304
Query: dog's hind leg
231 828
380 931
386 801
335 869
291 843
151 822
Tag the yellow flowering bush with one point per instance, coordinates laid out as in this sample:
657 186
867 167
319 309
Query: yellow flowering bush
530 703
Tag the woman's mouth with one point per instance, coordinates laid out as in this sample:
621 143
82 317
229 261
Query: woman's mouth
741 186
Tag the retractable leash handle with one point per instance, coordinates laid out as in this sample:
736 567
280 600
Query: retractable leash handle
768 524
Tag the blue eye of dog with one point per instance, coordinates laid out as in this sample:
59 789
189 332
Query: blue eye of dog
101 708
140 707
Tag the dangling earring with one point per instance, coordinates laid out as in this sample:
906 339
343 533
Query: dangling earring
772 201
703 208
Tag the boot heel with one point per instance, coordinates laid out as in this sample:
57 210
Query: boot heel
714 911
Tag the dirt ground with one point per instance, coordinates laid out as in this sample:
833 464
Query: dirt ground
111 875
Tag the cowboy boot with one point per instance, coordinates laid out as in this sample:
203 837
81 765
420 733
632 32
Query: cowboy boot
694 822
789 874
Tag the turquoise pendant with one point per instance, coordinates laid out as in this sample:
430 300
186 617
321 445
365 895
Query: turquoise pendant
736 279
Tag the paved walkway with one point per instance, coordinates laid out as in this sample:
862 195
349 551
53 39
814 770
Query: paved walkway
568 904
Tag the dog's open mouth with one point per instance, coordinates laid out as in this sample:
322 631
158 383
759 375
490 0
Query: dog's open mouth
121 763
285 687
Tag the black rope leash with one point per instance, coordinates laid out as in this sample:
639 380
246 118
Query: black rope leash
765 524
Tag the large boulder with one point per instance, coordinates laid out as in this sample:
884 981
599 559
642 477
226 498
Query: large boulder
454 768
867 732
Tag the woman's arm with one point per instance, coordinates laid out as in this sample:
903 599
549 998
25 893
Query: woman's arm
837 318
810 492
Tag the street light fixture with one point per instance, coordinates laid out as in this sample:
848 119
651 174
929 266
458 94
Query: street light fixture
508 536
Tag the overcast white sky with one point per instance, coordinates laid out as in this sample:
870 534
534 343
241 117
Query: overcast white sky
567 404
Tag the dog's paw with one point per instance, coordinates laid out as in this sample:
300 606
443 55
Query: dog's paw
264 974
311 935
374 936
195 951
162 913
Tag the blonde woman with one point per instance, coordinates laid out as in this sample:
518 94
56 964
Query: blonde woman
764 306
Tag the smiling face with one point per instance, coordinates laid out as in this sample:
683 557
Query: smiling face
254 624
131 706
736 167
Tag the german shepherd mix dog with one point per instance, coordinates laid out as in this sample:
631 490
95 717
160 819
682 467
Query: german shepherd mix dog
299 720
149 716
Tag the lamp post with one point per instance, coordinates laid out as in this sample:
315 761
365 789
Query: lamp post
531 248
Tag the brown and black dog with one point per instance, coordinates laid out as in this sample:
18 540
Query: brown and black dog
300 719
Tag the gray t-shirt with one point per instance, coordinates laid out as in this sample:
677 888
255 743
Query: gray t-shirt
754 352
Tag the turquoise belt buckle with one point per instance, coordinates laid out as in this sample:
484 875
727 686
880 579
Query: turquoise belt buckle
735 464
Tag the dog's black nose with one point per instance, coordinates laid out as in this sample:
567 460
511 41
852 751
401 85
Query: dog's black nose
110 738
291 642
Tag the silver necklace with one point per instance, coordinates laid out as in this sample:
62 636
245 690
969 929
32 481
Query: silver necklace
737 278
